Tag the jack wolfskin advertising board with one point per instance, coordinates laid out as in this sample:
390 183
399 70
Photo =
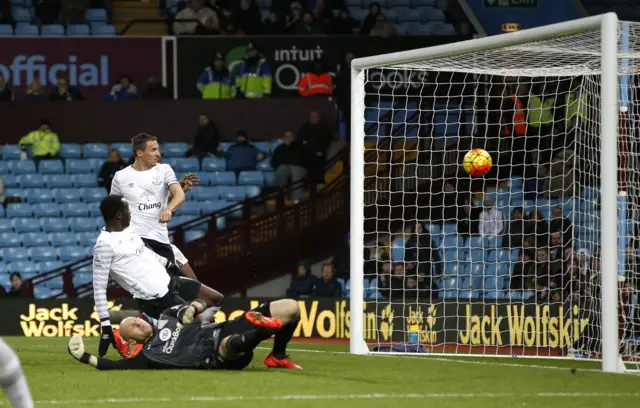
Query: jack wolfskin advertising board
290 57
516 326
91 64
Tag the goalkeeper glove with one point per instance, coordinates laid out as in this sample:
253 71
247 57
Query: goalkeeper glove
188 314
106 338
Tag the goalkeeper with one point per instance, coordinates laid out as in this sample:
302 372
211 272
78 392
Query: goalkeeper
184 338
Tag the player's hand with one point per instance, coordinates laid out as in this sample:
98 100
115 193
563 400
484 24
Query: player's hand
188 181
76 346
195 308
107 338
165 216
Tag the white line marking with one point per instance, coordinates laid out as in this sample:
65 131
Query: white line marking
232 398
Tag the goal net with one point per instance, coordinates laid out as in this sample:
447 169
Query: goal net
539 257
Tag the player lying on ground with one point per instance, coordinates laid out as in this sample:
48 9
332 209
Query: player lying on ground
12 378
121 254
184 338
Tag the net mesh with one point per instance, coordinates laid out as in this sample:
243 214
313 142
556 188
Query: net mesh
508 263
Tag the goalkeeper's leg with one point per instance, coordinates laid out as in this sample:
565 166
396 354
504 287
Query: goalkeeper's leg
12 378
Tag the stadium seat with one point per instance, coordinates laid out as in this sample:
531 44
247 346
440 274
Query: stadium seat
95 150
263 146
77 209
55 283
93 194
96 15
19 210
11 152
78 166
22 167
81 224
65 195
225 146
233 193
52 30
251 178
34 239
451 241
265 165
175 149
78 30
84 180
51 167
190 208
58 180
253 191
270 178
475 242
223 178
453 255
96 164
27 269
54 224
30 180
210 206
5 279
206 193
24 29
10 239
214 164
44 253
70 253
14 192
10 181
94 209
59 239
475 255
104 30
14 254
42 292
6 30
5 226
26 224
70 150
82 278
87 238
187 165
4 167
178 219
193 234
39 195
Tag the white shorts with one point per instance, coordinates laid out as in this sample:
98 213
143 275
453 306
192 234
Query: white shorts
180 258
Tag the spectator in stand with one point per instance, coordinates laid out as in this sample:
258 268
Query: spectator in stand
342 261
315 137
560 223
47 11
344 24
216 82
155 91
16 285
327 285
317 82
539 228
254 76
307 25
383 283
109 168
422 257
195 10
274 24
303 282
207 140
227 19
560 180
383 28
289 165
468 219
44 143
123 90
491 220
524 273
5 92
535 174
295 17
73 11
548 275
64 92
556 248
516 229
371 19
5 12
323 16
35 92
2 191
242 155
343 90
248 17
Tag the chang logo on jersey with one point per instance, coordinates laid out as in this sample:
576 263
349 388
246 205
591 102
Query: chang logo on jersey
151 206
168 348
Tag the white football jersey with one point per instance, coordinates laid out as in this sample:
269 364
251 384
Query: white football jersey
137 269
147 193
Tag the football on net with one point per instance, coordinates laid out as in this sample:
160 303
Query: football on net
477 162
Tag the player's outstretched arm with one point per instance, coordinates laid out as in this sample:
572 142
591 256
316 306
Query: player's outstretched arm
77 351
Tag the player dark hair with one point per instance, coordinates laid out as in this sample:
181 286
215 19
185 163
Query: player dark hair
139 142
110 206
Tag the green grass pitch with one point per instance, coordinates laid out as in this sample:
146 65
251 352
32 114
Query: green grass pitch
331 378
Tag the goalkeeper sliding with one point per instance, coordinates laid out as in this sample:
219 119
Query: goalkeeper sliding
185 338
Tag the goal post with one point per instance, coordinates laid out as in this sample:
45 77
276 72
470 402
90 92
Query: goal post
587 52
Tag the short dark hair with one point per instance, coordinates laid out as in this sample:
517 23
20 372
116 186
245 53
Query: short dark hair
16 274
139 142
110 206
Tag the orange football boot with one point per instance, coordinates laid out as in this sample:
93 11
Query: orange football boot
259 320
272 362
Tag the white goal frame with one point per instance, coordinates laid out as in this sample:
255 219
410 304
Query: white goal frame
609 110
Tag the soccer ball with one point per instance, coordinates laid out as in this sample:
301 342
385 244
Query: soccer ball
477 162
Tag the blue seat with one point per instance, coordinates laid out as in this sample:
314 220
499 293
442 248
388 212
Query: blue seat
93 194
78 209
34 239
492 283
84 180
123 148
46 210
104 30
264 165
59 239
214 164
232 193
11 152
451 241
80 224
26 224
95 164
19 210
27 269
54 224
187 165
96 15
10 181
69 150
14 192
94 209
78 30
270 179
453 255
78 166
476 269
190 208
54 284
10 239
449 229
397 249
223 178
52 30
175 149
205 193
210 206
475 242
4 167
44 253
179 219
82 278
48 266
71 253
51 167
193 234
65 195
95 150
6 30
87 238
39 195
24 29
42 292
15 254
58 180
476 255
30 180
251 178
22 167
253 191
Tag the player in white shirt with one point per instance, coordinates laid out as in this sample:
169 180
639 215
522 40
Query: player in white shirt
121 254
146 185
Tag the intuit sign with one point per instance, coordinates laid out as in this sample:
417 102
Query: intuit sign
92 65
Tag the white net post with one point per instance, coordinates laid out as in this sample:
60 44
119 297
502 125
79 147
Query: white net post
475 310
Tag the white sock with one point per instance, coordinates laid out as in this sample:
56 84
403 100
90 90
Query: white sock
12 378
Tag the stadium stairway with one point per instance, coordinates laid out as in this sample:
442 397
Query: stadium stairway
126 11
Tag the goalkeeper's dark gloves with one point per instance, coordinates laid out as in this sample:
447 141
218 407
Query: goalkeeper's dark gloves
187 315
106 338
